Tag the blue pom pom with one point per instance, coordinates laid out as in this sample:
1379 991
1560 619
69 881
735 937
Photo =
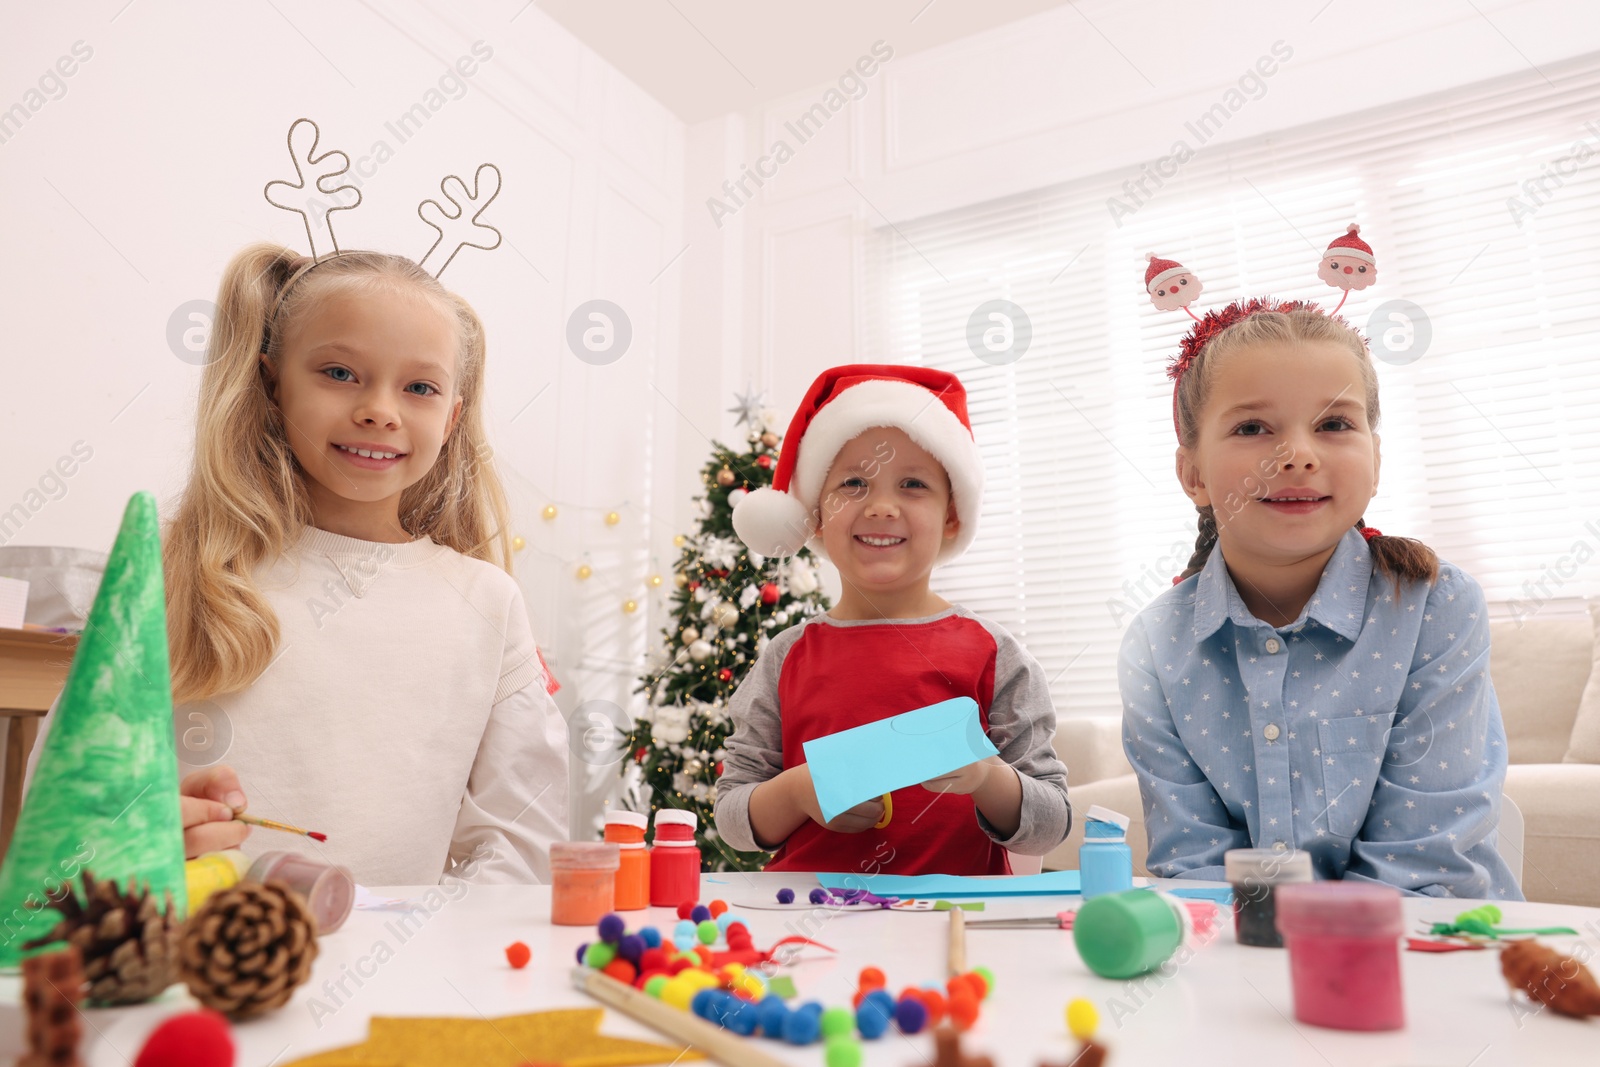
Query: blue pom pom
581 950
871 1018
803 1026
612 928
685 943
652 937
819 896
883 998
707 1004
740 1016
910 1016
630 948
770 1014
727 919
684 927
700 913
786 895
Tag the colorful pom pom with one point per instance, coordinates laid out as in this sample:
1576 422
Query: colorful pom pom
802 1025
786 895
910 1015
871 978
621 970
708 932
819 896
843 1052
611 928
652 937
686 909
771 1013
631 947
1082 1018
988 980
655 985
718 907
699 913
192 1039
599 955
518 955
837 1022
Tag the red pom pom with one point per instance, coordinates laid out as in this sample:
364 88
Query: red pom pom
518 954
963 1008
621 970
685 908
653 959
682 963
871 978
193 1039
718 907
934 1001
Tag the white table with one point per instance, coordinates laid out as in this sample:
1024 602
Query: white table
1229 1005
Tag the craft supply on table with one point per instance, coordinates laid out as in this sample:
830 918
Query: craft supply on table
674 859
1344 953
52 988
328 889
625 829
1483 921
1050 883
958 941
1124 935
720 1042
208 873
246 951
849 767
1560 982
273 824
1255 874
583 877
189 1039
1202 918
1105 861
125 937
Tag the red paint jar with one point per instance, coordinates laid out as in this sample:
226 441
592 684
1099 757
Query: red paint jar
674 859
1344 953
626 830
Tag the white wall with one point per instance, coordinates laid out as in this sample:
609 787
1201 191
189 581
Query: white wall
126 196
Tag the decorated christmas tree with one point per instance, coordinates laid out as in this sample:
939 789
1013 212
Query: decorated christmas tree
727 604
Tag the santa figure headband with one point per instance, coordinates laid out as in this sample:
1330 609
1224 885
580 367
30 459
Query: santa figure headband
318 193
1347 264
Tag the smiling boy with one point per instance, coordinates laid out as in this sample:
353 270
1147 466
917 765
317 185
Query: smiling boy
880 473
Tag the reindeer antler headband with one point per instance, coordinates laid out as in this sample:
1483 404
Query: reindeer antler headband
1347 264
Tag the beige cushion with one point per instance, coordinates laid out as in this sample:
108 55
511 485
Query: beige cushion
1120 794
1539 667
1585 741
1561 838
1091 747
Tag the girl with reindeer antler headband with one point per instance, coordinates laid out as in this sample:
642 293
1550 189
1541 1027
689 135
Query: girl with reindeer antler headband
338 569
1307 683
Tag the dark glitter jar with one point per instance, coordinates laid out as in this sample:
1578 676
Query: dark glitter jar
1254 874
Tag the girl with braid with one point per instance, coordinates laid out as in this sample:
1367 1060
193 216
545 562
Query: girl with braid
1308 682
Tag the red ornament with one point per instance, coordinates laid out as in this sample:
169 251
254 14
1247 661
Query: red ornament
764 462
719 768
640 754
769 593
725 674
192 1039
693 586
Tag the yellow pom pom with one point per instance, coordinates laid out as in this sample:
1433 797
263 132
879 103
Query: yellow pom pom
1082 1018
678 992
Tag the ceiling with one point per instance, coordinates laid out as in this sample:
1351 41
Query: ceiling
705 58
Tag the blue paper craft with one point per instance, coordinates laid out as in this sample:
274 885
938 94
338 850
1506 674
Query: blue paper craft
868 761
1222 895
1051 883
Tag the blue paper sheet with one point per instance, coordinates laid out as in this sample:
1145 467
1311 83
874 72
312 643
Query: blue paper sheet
1051 883
868 761
1216 894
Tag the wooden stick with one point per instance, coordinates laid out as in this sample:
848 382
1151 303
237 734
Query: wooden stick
268 824
719 1044
958 942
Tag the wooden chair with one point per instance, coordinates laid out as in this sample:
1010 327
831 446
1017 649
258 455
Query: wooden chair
33 668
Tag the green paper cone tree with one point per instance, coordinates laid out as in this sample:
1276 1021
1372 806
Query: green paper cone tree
105 792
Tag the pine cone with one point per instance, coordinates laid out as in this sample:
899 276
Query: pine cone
247 948
126 939
1550 978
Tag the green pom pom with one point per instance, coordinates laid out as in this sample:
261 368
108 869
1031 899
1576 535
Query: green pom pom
655 985
708 932
988 979
838 1022
843 1052
598 954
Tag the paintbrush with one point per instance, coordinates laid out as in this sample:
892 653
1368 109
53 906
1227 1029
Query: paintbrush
285 827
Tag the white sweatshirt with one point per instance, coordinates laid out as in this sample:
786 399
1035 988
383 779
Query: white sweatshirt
406 715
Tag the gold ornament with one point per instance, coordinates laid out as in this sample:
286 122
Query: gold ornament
680 580
725 615
655 581
690 635
612 518
518 544
584 572
770 440
549 512
726 477
630 606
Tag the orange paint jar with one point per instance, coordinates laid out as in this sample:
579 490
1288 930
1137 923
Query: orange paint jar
584 875
626 829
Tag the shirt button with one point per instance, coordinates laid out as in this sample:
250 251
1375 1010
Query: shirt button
1272 644
1279 846
1270 731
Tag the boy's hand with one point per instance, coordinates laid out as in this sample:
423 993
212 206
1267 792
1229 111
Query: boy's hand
208 800
964 781
863 816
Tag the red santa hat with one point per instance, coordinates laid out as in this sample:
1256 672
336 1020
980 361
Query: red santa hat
929 405
1161 270
1349 245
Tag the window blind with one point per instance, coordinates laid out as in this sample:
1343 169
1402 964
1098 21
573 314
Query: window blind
1482 206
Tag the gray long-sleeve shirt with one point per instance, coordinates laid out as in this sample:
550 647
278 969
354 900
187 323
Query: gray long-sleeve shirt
826 675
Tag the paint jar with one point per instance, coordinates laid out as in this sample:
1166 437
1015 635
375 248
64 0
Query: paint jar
329 890
212 873
626 829
1124 935
1105 862
674 859
584 881
1255 874
1344 953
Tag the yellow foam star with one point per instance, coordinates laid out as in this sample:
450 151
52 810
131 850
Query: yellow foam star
569 1037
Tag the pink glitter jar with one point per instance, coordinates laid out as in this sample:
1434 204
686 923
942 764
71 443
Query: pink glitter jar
1344 953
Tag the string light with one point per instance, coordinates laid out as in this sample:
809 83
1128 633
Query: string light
549 512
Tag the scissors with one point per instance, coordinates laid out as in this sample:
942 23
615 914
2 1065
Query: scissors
1060 921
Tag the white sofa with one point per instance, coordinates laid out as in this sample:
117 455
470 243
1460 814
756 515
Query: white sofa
1542 676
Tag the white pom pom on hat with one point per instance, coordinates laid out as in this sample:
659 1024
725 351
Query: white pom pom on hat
929 405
